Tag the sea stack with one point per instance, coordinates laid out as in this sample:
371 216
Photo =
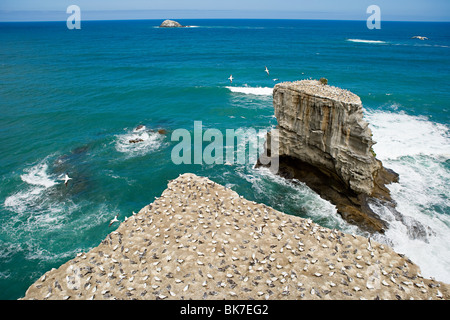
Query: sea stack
325 142
170 24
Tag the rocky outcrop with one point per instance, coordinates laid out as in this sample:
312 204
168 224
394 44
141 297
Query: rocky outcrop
325 143
201 240
170 24
137 140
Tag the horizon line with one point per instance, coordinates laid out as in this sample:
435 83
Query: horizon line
162 19
113 15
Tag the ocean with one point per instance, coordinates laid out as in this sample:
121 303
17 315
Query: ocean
70 101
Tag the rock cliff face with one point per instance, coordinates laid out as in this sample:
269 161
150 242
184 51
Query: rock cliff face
324 142
324 127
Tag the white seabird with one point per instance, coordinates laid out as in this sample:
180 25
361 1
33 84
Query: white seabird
113 220
66 179
419 37
369 246
267 70
231 79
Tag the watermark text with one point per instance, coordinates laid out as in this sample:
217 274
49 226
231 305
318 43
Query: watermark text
240 146
74 20
374 20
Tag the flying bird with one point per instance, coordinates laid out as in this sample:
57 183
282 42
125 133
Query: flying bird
113 220
267 70
231 79
419 37
66 179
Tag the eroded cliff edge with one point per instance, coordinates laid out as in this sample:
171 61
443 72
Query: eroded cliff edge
325 142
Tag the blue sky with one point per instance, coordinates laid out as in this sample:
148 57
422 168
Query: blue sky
398 10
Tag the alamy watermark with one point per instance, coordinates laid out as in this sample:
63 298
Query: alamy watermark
237 146
74 20
218 152
374 20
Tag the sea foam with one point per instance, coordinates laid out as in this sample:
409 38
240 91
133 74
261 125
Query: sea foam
37 175
37 180
259 91
366 41
418 150
42 215
399 134
151 141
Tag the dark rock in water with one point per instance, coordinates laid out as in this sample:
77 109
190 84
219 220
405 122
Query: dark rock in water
325 143
162 131
81 149
353 207
137 140
170 24
416 230
77 165
139 127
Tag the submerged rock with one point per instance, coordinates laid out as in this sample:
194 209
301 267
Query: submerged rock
325 143
170 24
139 127
137 140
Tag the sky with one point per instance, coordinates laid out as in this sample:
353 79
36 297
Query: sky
391 10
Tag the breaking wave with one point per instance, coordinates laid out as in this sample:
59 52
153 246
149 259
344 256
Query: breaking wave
138 142
366 41
418 150
258 91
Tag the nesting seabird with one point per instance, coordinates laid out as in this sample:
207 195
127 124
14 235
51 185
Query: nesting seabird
161 252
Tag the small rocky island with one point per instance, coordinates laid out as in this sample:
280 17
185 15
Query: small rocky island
325 143
170 24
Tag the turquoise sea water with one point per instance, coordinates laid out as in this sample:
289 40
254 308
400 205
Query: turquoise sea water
71 99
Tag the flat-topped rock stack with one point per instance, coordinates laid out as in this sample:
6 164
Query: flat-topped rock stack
200 240
325 142
317 89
